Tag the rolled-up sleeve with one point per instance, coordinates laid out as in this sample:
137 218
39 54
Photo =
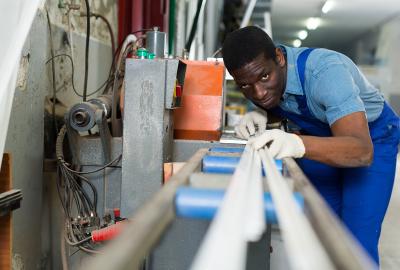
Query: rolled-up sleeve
335 90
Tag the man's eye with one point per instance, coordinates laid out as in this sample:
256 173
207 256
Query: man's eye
244 86
265 77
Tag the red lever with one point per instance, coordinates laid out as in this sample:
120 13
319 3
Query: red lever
117 212
178 90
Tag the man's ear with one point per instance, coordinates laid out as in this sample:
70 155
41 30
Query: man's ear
280 58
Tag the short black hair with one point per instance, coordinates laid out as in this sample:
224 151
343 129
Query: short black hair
244 45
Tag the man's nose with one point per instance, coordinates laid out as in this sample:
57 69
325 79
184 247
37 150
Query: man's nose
259 91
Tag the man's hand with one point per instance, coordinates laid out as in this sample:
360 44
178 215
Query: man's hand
246 126
282 145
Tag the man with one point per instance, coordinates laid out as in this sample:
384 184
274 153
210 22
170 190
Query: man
348 133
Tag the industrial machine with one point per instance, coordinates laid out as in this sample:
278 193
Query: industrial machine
118 179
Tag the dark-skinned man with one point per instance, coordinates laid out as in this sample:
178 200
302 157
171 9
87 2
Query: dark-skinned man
349 135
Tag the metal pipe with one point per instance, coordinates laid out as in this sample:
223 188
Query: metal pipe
180 28
304 250
344 251
200 203
248 13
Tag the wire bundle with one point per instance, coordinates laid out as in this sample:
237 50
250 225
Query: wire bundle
74 199
79 207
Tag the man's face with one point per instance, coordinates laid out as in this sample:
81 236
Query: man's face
263 80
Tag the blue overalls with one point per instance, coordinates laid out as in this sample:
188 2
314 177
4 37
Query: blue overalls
359 196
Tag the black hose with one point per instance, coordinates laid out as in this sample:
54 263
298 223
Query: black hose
194 26
86 50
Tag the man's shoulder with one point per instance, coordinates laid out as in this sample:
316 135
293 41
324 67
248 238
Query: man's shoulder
324 55
316 51
321 59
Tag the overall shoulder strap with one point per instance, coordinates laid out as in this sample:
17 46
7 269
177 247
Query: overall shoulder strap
301 65
301 69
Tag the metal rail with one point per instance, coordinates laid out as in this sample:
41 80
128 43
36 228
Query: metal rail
343 249
304 250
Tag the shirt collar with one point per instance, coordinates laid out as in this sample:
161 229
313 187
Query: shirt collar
293 84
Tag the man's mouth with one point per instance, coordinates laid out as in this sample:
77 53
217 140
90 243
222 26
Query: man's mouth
265 100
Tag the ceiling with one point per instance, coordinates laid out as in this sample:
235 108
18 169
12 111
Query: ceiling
347 20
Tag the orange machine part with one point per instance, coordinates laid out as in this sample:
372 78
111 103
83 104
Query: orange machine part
200 117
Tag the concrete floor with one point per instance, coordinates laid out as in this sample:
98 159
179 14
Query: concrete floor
389 244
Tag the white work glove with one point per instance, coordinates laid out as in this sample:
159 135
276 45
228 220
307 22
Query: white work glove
283 144
246 126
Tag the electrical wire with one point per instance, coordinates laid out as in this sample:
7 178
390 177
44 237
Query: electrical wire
216 52
114 63
104 19
127 46
81 247
75 199
105 83
86 51
71 194
69 242
100 169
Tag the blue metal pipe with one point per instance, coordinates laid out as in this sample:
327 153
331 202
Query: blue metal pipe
227 149
203 203
225 164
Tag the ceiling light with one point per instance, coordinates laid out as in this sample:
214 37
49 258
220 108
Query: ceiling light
297 43
303 34
327 6
313 23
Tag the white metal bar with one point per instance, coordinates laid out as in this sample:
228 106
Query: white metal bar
254 218
305 251
248 13
239 219
267 24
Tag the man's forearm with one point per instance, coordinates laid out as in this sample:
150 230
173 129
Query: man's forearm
343 151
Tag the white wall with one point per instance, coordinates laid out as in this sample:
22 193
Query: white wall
388 61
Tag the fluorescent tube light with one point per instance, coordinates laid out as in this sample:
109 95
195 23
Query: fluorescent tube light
297 43
327 6
303 34
313 23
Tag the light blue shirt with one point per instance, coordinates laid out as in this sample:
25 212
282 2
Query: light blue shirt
334 86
